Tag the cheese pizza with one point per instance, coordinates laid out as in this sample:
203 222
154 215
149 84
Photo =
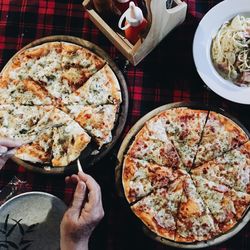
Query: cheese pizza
205 155
58 95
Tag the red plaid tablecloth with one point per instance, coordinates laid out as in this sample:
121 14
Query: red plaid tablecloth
167 75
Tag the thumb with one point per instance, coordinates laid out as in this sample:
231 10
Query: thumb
79 197
3 161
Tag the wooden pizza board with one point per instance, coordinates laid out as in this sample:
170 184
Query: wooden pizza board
87 159
118 176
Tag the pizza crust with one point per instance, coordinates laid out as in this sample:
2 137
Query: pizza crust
39 82
202 213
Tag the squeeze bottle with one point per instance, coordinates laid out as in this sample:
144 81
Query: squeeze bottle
135 23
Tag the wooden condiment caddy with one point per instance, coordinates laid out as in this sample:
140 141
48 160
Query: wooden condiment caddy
161 22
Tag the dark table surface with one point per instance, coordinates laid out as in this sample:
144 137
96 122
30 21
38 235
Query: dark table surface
167 75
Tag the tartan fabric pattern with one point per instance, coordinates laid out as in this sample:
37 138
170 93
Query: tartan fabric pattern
166 75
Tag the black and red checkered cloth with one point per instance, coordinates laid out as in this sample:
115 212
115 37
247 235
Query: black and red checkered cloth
166 75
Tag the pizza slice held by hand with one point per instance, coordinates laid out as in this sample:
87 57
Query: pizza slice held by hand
231 169
22 122
225 204
141 177
97 121
69 140
159 209
220 135
39 150
194 221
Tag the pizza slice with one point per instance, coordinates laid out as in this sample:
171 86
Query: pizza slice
194 221
149 145
23 122
231 169
159 209
26 92
69 140
97 121
140 177
226 205
78 65
38 63
184 127
39 150
101 88
220 135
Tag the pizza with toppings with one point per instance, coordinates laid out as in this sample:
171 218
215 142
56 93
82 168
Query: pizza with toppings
159 209
231 169
213 186
220 135
58 95
141 177
225 204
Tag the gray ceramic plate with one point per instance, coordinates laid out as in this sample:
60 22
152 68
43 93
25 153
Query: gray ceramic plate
31 221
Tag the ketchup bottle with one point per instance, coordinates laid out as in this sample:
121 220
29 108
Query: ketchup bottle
135 23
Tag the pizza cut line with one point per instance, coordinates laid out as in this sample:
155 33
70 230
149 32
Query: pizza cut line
213 191
58 96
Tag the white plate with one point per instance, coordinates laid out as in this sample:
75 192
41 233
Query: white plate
39 215
205 32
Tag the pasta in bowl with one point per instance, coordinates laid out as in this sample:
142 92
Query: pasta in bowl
230 50
225 83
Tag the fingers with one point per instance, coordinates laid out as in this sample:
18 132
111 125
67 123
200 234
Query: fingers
94 195
11 143
73 179
3 161
79 197
3 149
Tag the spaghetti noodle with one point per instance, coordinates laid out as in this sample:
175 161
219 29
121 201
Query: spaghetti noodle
231 50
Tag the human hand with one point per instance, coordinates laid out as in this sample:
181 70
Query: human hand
85 213
5 144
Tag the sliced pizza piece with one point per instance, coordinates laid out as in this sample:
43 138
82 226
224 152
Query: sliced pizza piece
97 121
184 127
140 177
39 63
23 122
220 135
39 150
159 209
231 169
194 221
102 88
25 92
69 140
148 146
78 64
226 205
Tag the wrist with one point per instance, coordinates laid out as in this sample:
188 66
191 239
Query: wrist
68 244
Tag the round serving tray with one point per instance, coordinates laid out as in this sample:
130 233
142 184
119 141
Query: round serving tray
39 216
118 175
87 159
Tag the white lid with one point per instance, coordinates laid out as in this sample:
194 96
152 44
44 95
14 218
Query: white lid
133 15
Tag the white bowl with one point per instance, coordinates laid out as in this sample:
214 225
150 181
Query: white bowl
206 31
